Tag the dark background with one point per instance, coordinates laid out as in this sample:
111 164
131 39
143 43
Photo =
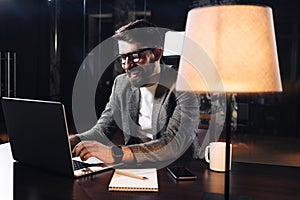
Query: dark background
46 71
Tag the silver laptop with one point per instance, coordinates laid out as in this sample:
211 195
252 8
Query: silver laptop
38 135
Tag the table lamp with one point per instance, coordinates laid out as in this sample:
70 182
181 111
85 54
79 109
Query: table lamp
229 49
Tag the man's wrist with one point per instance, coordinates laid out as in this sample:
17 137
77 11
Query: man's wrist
128 154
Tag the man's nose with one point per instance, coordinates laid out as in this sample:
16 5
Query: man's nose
128 64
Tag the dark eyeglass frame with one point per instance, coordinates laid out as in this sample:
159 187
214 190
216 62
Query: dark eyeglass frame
133 56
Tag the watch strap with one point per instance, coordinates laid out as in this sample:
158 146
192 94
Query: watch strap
117 153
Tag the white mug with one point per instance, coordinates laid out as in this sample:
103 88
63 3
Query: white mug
215 156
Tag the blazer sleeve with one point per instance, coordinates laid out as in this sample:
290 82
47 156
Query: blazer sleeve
105 127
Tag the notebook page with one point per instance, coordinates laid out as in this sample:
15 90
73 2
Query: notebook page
126 183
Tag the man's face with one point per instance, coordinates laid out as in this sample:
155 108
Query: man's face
140 63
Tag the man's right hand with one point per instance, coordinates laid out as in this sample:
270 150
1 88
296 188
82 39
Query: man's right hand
74 140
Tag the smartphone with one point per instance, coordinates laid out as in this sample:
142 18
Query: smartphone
181 173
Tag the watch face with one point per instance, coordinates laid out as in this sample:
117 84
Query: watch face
117 153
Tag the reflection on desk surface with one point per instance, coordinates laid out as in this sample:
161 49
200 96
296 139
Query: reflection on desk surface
36 184
259 182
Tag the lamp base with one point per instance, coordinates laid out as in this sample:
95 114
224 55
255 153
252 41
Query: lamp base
217 196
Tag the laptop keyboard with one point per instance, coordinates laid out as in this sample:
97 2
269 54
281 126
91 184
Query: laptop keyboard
79 165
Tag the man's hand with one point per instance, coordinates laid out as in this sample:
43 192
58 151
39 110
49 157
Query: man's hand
87 149
74 140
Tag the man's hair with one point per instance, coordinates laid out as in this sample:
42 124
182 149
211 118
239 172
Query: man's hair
142 32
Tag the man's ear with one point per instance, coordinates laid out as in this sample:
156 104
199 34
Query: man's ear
157 54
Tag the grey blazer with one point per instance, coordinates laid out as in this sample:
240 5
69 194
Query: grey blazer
174 119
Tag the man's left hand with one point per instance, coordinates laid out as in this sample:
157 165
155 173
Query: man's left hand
87 149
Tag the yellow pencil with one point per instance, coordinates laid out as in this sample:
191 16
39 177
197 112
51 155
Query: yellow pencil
130 175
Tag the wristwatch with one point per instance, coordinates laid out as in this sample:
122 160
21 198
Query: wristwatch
117 153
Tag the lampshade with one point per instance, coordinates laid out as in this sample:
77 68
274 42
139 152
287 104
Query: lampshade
229 48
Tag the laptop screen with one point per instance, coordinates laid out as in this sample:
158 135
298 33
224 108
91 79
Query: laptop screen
38 133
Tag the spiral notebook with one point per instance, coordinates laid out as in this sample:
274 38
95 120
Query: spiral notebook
121 182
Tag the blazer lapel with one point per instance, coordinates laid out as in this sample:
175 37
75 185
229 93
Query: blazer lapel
158 113
134 104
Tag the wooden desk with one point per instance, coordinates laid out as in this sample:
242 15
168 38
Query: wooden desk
248 181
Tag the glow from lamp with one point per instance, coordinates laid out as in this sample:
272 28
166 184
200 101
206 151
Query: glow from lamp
240 41
229 49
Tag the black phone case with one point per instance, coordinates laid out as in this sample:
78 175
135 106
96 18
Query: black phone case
181 173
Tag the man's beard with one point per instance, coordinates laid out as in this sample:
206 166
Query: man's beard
139 77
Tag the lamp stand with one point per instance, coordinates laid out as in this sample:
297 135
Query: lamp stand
226 195
228 126
228 121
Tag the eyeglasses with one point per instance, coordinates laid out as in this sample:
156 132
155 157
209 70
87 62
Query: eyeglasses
133 56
